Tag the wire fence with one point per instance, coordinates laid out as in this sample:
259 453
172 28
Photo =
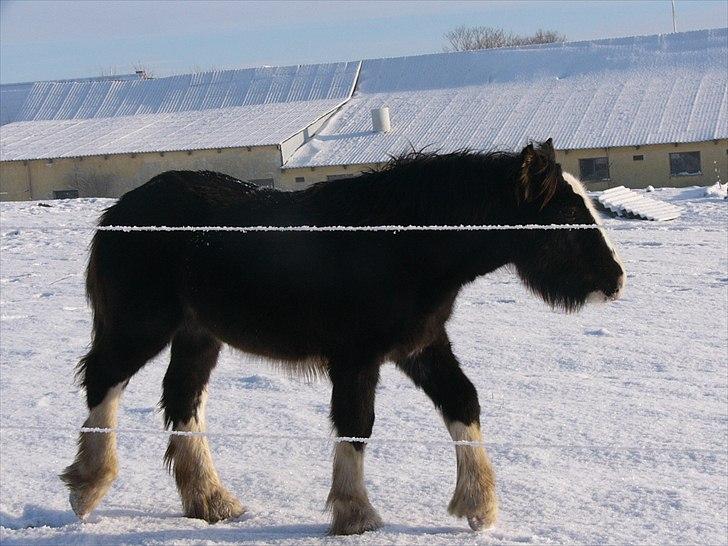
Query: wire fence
381 228
376 441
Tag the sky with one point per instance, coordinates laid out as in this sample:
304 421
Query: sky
56 39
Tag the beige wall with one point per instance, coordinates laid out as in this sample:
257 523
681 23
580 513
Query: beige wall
114 175
312 175
654 170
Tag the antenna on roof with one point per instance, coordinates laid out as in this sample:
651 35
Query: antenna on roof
674 26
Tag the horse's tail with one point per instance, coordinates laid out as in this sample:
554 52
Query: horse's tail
95 295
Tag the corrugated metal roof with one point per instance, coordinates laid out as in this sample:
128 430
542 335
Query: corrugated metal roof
222 109
253 125
14 95
618 92
203 91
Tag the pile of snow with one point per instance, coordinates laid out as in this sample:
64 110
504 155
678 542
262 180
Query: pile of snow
648 370
717 190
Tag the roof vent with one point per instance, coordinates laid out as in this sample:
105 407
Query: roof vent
380 120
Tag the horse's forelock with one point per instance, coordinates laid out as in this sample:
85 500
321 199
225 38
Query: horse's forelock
539 177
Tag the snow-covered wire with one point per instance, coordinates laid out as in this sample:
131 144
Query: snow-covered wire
382 228
378 441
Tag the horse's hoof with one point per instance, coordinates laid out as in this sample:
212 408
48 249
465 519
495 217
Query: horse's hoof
479 523
352 519
215 506
84 493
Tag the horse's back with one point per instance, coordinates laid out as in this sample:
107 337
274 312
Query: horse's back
176 198
142 271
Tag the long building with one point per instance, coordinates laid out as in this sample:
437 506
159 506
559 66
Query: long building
639 111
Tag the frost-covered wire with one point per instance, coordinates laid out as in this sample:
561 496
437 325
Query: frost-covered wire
378 441
382 228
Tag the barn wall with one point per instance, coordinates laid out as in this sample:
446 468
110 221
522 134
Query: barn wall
318 174
654 169
114 175
14 181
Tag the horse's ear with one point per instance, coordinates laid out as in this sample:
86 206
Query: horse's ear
548 149
538 178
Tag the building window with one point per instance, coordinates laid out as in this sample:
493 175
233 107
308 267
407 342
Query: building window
262 182
337 176
685 164
65 194
638 157
594 168
300 179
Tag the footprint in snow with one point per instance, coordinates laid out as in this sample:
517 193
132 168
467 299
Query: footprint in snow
601 332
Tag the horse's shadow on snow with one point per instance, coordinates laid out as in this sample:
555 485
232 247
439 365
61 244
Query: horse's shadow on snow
236 531
37 516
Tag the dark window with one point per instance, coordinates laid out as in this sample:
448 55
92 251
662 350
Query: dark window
65 194
337 176
685 164
594 168
263 182
300 179
638 158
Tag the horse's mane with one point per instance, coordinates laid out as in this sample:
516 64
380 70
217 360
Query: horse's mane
417 186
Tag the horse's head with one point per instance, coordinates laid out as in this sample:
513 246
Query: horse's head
567 268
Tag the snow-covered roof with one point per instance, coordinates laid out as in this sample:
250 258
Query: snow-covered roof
187 92
223 109
14 95
254 125
605 93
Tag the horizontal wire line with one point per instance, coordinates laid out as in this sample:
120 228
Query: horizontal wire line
392 228
380 441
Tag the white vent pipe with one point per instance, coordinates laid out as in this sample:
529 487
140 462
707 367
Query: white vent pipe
380 120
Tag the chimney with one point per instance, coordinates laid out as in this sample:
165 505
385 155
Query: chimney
142 74
380 120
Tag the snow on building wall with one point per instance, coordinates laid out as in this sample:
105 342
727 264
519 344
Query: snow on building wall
606 93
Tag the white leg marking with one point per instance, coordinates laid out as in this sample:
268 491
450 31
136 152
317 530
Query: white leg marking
189 459
474 496
95 466
348 499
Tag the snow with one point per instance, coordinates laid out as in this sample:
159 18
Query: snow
637 388
717 190
220 109
99 98
14 95
254 125
604 93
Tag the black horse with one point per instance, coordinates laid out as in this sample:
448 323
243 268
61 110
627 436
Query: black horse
330 303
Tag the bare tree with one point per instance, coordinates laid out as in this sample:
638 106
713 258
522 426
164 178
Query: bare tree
465 38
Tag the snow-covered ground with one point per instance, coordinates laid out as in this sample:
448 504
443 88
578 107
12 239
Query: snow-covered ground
610 426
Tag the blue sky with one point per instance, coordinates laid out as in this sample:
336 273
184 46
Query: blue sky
58 39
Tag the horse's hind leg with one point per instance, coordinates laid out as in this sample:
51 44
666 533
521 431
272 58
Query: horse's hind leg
437 371
194 355
115 356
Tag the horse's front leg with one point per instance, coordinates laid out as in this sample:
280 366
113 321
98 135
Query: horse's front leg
437 371
352 414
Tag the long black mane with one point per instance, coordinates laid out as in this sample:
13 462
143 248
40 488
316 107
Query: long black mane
416 188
